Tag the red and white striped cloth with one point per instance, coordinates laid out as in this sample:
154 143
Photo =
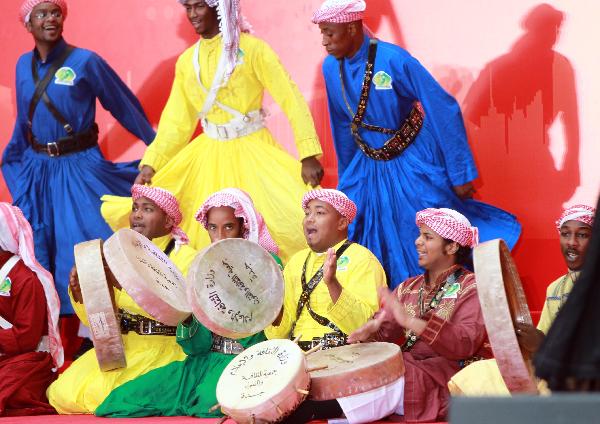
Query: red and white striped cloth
450 225
255 228
340 11
337 199
581 213
168 203
28 5
16 237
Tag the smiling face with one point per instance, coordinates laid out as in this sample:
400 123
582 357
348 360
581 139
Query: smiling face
435 253
203 18
148 219
221 223
324 227
46 23
574 241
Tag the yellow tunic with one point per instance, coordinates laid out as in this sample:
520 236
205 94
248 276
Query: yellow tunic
83 386
360 274
254 163
483 378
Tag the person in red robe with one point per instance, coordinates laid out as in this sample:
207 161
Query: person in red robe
437 319
30 348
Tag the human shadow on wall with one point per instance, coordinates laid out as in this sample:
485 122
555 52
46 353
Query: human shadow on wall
516 109
515 113
153 94
377 12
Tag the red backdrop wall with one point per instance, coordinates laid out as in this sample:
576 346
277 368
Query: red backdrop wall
529 92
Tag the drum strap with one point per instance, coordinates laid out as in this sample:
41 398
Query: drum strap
307 289
170 247
412 338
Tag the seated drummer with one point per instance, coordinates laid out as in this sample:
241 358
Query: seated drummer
83 386
483 378
330 287
189 387
30 347
437 318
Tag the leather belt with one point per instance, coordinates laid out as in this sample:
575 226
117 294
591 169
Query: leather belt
144 326
71 144
225 345
328 341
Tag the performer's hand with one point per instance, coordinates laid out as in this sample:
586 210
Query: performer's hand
391 304
465 191
145 175
529 337
74 286
329 277
312 171
367 332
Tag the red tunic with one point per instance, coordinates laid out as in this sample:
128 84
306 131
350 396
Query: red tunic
24 373
455 332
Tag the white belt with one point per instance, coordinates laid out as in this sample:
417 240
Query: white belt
236 128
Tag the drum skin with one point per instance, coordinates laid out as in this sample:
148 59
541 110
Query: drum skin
354 369
235 288
503 303
98 303
261 384
148 276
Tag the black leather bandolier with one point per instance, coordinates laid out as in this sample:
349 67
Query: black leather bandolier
73 142
400 139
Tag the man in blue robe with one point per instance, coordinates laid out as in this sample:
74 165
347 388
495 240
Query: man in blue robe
400 142
52 164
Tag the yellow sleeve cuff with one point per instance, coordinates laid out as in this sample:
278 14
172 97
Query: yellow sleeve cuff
308 147
153 159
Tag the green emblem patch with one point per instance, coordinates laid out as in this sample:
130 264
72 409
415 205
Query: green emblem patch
5 287
65 76
342 263
240 57
452 291
382 81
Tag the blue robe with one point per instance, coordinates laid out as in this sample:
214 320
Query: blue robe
60 196
389 193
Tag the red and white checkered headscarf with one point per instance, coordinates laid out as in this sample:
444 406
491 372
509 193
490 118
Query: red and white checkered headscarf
337 199
255 228
450 225
340 11
168 203
581 213
16 237
28 5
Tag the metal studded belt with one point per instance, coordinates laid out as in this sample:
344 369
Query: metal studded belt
225 345
144 326
328 341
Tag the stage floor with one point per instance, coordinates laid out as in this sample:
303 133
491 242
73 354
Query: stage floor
90 419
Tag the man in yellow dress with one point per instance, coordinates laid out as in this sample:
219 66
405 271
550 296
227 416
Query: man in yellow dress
483 378
220 81
83 386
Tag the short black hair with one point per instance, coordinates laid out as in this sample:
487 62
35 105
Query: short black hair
464 254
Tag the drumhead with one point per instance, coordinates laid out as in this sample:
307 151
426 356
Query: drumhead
148 276
235 288
354 369
503 302
104 325
257 377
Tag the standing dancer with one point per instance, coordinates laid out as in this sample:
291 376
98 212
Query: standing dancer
397 132
52 164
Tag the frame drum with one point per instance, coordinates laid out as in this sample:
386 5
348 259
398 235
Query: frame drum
353 369
264 383
235 288
148 276
503 302
97 300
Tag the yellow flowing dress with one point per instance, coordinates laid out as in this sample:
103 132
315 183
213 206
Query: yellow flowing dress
83 386
254 163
